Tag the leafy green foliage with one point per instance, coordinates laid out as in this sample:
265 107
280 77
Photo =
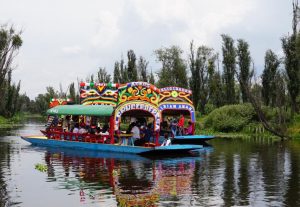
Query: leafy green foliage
230 118
202 66
10 42
41 167
244 73
268 77
103 76
229 55
173 71
292 67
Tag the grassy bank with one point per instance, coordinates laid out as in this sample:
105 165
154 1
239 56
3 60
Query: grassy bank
16 120
240 121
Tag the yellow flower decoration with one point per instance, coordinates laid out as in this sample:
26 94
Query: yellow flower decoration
130 90
174 94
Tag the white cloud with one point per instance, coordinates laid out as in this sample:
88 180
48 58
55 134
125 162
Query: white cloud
107 29
72 50
67 39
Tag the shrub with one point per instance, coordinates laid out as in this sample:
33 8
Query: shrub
230 118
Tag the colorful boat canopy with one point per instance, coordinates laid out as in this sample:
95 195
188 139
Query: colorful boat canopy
88 110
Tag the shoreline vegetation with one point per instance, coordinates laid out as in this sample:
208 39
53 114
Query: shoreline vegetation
240 123
17 120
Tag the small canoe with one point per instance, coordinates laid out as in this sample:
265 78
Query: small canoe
172 149
192 139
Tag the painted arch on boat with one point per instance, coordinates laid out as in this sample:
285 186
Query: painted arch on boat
132 106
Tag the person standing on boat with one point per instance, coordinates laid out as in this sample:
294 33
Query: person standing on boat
181 125
135 134
173 127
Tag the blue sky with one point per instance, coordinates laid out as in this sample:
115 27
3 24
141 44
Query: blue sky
69 40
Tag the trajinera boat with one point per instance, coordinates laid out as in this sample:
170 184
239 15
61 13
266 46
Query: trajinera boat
98 122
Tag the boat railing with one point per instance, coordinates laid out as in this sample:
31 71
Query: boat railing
77 137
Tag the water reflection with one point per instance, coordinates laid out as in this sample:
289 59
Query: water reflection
254 172
133 180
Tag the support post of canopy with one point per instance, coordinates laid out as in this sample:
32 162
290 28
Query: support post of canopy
111 128
157 137
193 126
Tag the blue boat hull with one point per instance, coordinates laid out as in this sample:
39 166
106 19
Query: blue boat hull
43 141
192 139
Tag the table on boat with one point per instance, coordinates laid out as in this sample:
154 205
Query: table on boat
124 138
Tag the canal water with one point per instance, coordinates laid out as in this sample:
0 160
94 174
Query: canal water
254 172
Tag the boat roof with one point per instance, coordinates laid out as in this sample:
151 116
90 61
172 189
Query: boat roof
88 110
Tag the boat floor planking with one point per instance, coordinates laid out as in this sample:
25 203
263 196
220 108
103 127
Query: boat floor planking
43 141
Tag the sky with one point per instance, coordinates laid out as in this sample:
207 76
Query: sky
68 40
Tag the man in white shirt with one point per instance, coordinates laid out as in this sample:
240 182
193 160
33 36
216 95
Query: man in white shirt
135 134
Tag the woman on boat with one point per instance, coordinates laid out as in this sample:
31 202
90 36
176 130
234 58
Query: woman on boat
181 125
190 128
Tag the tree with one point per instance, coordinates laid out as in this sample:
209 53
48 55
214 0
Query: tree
244 60
173 71
201 67
151 78
72 93
292 62
268 78
117 73
292 68
131 66
142 69
229 55
10 43
124 72
103 76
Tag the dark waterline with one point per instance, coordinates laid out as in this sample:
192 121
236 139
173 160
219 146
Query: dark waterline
257 172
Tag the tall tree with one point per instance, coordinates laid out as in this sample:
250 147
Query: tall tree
244 60
124 72
151 78
117 73
195 75
103 76
215 84
173 71
292 62
131 66
268 78
201 67
229 55
72 93
142 69
10 43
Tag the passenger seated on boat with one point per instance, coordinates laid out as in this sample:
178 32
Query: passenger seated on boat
167 140
82 130
135 134
98 130
76 128
105 130
190 128
143 138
